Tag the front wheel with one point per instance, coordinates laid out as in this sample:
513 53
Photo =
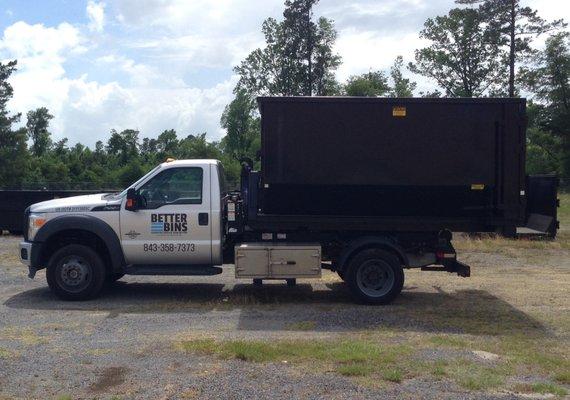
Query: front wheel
76 272
375 276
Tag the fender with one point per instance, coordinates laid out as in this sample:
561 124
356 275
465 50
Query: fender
85 223
371 241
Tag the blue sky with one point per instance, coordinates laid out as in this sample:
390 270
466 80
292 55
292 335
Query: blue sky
160 64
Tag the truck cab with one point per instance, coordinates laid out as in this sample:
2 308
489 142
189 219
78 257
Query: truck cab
167 222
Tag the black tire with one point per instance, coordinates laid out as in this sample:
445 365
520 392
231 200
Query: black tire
341 274
76 272
113 277
257 282
375 276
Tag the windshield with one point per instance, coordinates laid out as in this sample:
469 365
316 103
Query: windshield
134 185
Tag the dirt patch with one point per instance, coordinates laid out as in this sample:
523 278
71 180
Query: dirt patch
109 378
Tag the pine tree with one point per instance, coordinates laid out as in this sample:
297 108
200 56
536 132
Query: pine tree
515 27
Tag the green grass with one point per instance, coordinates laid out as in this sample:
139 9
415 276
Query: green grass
383 359
542 388
348 357
4 353
438 369
474 376
393 375
448 341
343 351
563 377
354 369
545 387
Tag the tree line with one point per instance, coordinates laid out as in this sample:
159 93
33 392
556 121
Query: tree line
481 48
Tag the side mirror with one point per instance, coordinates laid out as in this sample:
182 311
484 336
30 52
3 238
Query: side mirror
132 200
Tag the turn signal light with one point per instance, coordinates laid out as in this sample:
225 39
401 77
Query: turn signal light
39 222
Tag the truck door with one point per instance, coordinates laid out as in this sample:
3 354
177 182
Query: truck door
172 225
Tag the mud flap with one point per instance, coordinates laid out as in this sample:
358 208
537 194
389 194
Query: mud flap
451 265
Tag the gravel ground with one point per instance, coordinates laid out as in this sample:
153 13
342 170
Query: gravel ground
123 344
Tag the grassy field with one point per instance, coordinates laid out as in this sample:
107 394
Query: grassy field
509 334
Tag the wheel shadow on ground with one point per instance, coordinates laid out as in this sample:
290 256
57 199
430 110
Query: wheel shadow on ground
321 308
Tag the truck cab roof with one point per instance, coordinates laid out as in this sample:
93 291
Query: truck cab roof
189 162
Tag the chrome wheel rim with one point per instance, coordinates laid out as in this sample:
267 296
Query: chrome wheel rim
375 278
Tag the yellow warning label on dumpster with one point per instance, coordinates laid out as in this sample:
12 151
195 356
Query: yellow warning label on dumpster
477 186
398 111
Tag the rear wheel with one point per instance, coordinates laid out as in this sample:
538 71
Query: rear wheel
375 276
76 272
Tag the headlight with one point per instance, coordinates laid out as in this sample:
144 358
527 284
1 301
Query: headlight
36 221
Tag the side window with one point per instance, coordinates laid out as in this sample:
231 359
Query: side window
173 186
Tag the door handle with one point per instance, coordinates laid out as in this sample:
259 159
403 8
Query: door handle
202 218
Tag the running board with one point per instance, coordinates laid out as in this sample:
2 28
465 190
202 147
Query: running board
143 269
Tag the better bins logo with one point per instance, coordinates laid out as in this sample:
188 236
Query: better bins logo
168 224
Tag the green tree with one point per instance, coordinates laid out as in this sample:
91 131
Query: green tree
549 79
515 27
242 127
13 148
402 87
37 126
196 146
298 57
129 173
370 84
60 147
167 143
124 145
462 57
149 150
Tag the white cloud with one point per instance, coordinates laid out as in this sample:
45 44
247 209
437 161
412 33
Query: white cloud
362 51
138 74
96 15
220 17
40 51
94 109
86 110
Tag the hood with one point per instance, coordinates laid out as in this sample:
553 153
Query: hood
74 204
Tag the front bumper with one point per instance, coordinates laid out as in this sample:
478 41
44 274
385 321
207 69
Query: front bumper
26 253
29 255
